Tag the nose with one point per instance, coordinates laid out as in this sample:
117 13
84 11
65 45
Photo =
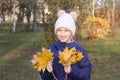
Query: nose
62 33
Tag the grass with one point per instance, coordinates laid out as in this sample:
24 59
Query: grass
16 51
105 56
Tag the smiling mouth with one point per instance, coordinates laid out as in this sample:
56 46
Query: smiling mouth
62 37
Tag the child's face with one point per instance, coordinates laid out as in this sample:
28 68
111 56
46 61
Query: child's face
64 34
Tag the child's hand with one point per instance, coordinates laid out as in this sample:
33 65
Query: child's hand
67 69
49 67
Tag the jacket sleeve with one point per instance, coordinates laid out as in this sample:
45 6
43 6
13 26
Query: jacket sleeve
46 75
81 70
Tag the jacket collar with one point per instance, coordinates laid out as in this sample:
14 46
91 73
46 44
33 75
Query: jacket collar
61 45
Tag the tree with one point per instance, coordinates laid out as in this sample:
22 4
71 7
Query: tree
113 18
5 9
14 19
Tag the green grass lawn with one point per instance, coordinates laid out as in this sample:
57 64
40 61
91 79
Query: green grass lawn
16 51
104 55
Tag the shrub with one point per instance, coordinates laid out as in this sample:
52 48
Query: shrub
95 28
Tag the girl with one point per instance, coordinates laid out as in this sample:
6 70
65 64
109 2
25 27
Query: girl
65 31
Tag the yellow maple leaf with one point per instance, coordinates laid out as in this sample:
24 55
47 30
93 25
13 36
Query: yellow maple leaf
41 59
68 57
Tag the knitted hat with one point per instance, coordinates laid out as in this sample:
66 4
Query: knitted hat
66 20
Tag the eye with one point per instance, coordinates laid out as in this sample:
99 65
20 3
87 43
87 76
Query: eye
58 29
66 30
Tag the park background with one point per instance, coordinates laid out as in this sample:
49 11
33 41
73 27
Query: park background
27 25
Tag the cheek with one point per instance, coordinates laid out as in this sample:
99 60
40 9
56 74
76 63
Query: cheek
58 33
69 34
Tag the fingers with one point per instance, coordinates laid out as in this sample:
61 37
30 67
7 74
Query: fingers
49 67
67 69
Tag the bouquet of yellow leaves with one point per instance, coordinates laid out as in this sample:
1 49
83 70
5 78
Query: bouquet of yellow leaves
41 59
68 57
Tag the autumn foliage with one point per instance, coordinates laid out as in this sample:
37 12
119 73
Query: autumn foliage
95 28
68 57
41 59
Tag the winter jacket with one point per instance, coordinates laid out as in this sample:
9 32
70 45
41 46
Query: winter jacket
79 71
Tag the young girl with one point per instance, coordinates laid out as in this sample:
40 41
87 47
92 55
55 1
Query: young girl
65 31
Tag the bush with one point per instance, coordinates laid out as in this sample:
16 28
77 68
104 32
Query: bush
95 28
20 27
5 27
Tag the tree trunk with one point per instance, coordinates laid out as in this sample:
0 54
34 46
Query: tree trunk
14 20
113 19
93 11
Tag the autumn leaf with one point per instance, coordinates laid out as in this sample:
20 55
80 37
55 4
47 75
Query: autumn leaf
41 59
68 57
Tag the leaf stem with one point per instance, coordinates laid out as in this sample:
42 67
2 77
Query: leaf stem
54 75
66 76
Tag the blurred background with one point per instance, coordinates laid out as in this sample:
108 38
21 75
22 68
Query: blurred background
28 25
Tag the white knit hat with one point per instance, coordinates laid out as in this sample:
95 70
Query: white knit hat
66 20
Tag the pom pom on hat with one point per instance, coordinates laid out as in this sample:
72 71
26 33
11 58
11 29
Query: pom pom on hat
74 15
61 12
66 20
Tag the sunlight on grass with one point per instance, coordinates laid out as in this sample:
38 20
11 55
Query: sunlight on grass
20 43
